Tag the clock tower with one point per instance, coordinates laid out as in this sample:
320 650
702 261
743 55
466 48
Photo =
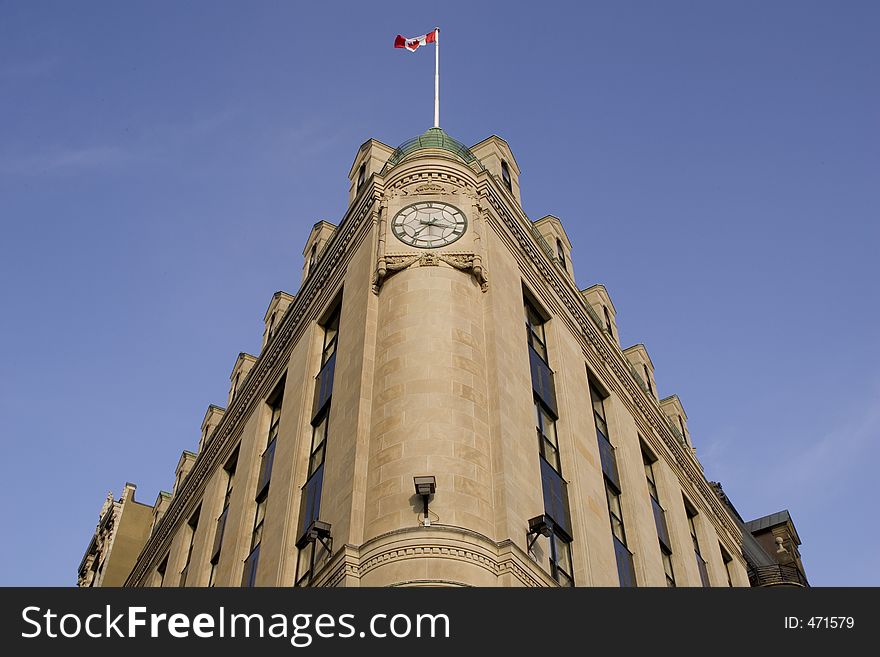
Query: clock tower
440 404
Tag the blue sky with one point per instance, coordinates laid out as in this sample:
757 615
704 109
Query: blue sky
715 164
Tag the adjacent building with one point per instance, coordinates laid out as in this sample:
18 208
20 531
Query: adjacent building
441 404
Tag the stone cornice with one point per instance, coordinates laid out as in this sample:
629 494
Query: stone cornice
439 542
264 373
599 346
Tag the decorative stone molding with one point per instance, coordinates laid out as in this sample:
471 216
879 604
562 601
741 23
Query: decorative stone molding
469 263
440 542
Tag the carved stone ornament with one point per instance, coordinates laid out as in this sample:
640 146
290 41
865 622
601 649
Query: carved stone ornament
430 188
466 262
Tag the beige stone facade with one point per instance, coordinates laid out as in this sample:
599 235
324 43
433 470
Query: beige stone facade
399 358
123 528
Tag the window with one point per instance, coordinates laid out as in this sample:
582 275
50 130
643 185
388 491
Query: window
692 525
193 524
160 571
667 567
560 253
553 486
249 576
271 328
681 425
229 470
625 571
542 377
362 175
548 446
615 511
311 553
235 385
267 459
596 398
648 380
606 449
608 325
560 559
535 331
649 474
728 564
313 257
505 176
659 516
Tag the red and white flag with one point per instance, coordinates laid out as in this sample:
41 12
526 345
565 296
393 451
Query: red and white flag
415 42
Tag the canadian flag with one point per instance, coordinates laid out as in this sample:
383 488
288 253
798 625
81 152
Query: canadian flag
415 42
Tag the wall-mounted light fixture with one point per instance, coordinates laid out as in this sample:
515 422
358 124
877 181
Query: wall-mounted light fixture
425 486
539 526
317 531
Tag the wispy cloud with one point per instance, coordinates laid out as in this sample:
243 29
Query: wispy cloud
66 160
158 143
803 464
309 138
838 452
32 68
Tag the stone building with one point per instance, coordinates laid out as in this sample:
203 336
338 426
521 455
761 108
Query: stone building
440 403
123 528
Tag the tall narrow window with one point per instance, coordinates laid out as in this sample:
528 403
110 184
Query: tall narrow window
535 331
608 326
312 552
667 566
692 525
313 257
229 471
553 486
648 380
267 460
235 385
659 517
249 576
728 564
681 426
560 253
362 175
505 175
607 454
160 571
271 331
192 526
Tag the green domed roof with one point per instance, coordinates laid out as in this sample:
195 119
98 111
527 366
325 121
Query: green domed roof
435 138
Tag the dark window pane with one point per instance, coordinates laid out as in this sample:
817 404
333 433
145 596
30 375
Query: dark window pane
218 536
324 385
249 577
555 497
624 564
549 452
660 521
305 564
266 468
311 500
560 561
542 381
316 460
608 459
667 567
701 565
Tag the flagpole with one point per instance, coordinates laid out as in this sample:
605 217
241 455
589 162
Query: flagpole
436 77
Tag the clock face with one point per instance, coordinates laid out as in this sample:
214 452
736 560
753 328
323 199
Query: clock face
429 224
